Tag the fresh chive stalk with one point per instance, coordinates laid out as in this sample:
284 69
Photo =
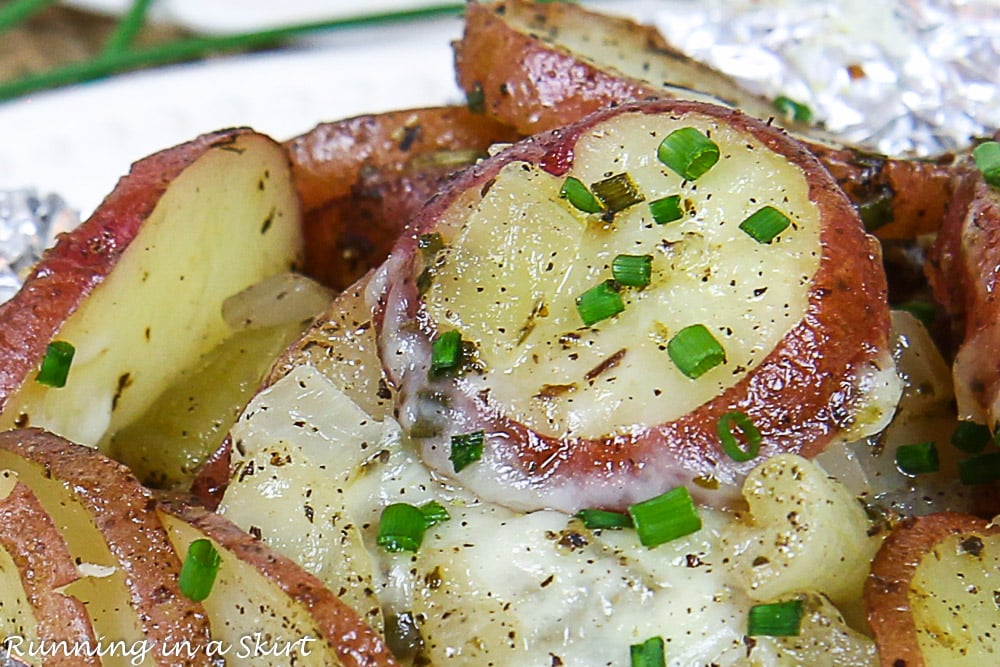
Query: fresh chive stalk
764 225
56 364
649 653
695 351
466 449
987 158
666 209
15 11
576 193
604 520
127 29
198 572
796 111
778 619
665 517
918 458
600 303
748 432
617 193
688 152
632 270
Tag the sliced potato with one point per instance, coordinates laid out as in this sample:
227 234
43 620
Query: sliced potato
35 564
932 594
138 288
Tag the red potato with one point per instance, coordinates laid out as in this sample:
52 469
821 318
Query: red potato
42 566
569 61
930 594
573 415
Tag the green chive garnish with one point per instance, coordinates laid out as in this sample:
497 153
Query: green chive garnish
665 517
576 193
688 152
789 108
695 351
917 459
434 513
632 270
648 654
466 449
599 303
401 528
617 192
748 432
778 619
55 365
987 157
667 209
925 311
430 244
446 352
980 469
198 572
971 437
603 519
765 225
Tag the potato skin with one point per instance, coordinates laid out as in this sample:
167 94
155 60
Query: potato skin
847 302
84 257
28 534
886 593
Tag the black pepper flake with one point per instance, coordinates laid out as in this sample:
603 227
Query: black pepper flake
972 545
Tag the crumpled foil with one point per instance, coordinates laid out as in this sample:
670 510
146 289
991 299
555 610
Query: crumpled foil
29 223
900 77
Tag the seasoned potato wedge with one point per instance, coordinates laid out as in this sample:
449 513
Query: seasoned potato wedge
931 595
137 289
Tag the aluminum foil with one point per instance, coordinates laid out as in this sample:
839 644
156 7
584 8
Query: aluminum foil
901 77
29 223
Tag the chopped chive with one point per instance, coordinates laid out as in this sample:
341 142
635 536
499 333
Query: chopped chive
576 193
434 513
925 311
430 244
401 528
665 517
475 99
971 437
987 158
796 111
695 351
466 449
748 432
688 152
56 363
765 225
666 209
198 572
616 193
918 458
648 654
778 619
446 352
632 270
876 212
599 303
980 469
603 519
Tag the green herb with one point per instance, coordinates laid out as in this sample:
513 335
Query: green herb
876 212
15 11
796 111
430 245
667 209
475 99
918 458
632 270
603 519
127 29
765 225
925 311
617 193
987 158
201 565
466 449
56 363
695 351
971 437
778 619
648 654
665 517
688 152
446 352
434 513
401 528
599 303
748 432
576 193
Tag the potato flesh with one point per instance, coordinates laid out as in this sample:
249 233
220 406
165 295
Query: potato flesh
519 307
16 616
953 599
226 222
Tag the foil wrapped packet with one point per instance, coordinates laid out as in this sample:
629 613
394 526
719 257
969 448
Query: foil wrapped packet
29 223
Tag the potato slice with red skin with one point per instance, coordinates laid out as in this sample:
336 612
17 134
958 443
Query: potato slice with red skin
344 637
803 393
570 61
44 562
62 473
889 590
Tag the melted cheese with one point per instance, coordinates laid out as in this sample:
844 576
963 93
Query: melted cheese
514 266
